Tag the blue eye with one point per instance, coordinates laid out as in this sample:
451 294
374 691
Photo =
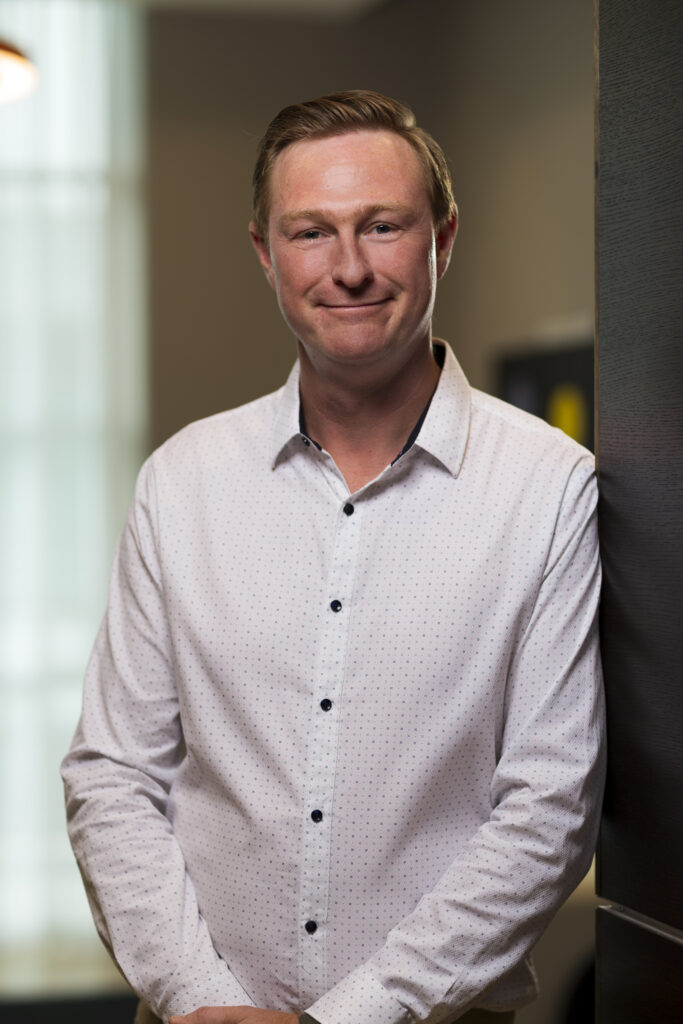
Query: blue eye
311 234
382 229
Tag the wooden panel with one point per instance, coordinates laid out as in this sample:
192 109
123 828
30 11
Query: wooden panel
639 972
640 449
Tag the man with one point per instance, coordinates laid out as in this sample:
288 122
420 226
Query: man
340 750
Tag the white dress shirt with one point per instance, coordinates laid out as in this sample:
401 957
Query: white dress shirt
342 752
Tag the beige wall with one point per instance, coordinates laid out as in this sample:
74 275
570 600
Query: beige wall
520 136
506 86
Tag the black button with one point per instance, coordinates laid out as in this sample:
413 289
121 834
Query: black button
348 509
335 606
305 440
326 704
317 815
311 927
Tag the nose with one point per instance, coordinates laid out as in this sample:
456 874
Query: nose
351 268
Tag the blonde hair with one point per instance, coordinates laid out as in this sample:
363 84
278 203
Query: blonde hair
341 112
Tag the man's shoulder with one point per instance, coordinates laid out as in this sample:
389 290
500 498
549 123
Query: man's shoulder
234 434
527 460
523 430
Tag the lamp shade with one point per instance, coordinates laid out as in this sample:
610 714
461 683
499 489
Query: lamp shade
18 77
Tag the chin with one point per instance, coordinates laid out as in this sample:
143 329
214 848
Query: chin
355 350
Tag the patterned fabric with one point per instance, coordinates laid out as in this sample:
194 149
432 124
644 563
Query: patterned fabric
342 752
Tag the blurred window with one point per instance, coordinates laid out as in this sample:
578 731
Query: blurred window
72 413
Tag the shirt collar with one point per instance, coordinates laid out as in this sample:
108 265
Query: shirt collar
446 429
443 434
285 433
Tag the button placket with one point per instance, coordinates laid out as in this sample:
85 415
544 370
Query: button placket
319 789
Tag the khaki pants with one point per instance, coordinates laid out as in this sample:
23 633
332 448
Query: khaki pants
145 1016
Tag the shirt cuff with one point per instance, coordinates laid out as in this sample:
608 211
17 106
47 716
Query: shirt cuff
359 996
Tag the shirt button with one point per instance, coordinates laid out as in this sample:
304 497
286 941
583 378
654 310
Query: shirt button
317 815
311 927
348 509
326 704
335 606
305 440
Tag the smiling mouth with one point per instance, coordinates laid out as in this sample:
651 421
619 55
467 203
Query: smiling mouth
354 305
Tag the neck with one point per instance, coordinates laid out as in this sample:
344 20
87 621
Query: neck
363 417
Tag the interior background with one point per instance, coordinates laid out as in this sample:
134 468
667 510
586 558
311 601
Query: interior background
506 86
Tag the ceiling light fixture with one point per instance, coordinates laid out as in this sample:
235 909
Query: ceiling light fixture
18 77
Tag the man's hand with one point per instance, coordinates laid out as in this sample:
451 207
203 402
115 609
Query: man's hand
235 1015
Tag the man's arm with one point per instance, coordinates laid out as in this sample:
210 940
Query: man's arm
240 1015
118 776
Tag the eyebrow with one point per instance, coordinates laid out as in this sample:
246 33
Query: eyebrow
365 212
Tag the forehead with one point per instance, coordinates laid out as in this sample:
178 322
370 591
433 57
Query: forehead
355 168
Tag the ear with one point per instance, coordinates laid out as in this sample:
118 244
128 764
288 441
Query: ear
263 252
445 237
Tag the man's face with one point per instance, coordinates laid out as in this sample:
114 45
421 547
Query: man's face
352 252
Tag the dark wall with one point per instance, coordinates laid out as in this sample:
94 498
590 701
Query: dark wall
640 451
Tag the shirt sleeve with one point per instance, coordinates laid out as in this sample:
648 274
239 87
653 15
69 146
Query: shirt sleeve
497 897
118 776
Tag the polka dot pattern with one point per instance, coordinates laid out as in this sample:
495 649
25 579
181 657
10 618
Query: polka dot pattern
344 759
